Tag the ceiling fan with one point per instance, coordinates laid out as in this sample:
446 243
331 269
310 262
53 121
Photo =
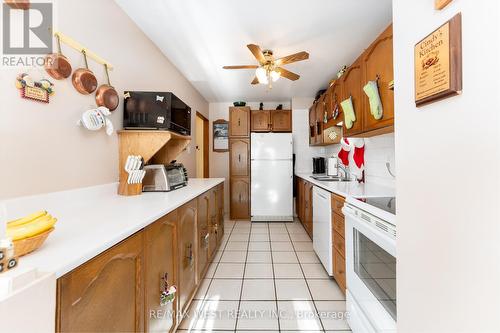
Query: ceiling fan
269 69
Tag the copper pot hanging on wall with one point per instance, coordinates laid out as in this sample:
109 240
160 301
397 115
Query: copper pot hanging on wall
83 79
57 65
106 94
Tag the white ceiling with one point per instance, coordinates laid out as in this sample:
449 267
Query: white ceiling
199 37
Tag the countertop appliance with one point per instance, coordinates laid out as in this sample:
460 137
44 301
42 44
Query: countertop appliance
271 177
319 165
332 167
164 178
322 230
156 110
371 264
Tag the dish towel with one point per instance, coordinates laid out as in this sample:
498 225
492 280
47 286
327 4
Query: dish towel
371 90
349 115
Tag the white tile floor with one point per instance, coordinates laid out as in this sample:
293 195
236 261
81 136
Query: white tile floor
266 278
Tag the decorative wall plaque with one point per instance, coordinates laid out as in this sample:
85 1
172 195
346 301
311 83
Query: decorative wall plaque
220 135
438 63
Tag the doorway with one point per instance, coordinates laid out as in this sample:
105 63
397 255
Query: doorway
201 133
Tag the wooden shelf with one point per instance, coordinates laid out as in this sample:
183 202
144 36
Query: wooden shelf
156 147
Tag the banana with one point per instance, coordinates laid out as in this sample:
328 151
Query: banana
31 229
27 219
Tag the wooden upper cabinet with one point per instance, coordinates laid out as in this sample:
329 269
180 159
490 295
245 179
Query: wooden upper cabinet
203 233
160 240
239 157
187 252
261 120
378 63
281 120
312 124
239 121
240 198
106 294
352 86
320 113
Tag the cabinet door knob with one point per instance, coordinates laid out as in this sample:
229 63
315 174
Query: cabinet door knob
239 158
239 122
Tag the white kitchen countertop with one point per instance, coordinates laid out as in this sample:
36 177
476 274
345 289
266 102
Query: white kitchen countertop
353 188
93 219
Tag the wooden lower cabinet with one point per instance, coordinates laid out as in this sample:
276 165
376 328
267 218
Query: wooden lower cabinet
106 294
219 226
304 205
119 290
203 233
212 222
187 253
240 198
339 270
338 241
160 245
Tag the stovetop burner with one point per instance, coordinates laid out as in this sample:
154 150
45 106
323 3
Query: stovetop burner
387 204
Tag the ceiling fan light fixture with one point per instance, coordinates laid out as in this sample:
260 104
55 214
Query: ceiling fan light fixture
261 74
275 75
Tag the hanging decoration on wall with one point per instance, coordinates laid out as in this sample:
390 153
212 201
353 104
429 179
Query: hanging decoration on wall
167 292
95 119
220 136
34 90
438 63
345 148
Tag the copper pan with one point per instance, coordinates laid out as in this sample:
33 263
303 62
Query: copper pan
57 65
106 95
83 79
18 4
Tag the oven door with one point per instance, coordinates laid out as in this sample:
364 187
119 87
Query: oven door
371 273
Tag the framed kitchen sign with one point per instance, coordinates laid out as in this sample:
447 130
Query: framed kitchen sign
438 63
221 135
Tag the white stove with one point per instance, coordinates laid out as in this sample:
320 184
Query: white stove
371 263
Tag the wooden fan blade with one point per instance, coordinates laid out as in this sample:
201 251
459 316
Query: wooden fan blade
257 53
292 58
241 67
255 80
287 74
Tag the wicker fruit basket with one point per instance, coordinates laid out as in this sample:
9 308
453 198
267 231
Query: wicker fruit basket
30 244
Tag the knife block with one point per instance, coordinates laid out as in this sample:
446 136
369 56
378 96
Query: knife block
158 147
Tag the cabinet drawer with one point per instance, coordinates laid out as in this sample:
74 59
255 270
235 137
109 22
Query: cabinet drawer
339 243
337 204
339 270
339 224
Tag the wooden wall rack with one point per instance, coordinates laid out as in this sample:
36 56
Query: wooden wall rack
79 47
156 147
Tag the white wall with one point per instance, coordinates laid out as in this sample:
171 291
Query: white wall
42 148
219 162
447 163
378 149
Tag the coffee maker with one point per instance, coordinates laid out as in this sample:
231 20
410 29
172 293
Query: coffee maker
319 165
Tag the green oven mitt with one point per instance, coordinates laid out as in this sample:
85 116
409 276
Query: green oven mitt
349 115
371 90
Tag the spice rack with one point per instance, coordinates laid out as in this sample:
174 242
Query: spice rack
156 147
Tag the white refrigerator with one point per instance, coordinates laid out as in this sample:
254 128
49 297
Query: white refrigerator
271 177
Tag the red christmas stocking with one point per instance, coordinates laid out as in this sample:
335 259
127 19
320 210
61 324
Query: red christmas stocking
359 156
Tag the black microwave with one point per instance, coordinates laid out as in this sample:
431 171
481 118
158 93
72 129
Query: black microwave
156 110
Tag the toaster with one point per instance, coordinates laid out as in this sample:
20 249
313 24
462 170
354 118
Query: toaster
164 178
